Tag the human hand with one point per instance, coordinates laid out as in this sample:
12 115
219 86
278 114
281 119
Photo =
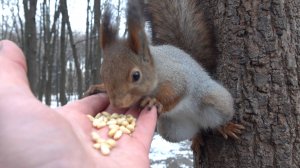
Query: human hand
34 135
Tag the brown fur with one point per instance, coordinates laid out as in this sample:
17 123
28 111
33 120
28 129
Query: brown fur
124 56
168 96
108 32
188 30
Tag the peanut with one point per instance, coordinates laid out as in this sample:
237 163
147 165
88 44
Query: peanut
118 125
113 126
95 136
104 148
91 118
120 120
106 114
118 135
96 146
98 115
111 142
112 122
114 115
112 132
98 123
125 130
130 127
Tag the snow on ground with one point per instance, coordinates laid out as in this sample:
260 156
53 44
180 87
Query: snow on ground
163 154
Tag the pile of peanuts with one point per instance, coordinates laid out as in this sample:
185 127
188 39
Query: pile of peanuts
118 125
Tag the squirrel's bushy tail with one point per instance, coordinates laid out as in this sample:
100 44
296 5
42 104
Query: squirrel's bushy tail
182 24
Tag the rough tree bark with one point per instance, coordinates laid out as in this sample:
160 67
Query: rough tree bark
260 64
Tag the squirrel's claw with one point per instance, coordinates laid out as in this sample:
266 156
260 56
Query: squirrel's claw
231 130
150 102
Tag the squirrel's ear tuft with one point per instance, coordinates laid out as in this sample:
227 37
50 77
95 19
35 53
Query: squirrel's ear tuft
108 31
137 38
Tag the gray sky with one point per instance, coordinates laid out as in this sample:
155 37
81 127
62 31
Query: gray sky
77 12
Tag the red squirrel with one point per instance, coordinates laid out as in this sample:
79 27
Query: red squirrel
169 74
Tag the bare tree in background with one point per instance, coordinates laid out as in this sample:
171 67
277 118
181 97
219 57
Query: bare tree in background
63 60
96 56
30 43
20 30
49 43
65 16
39 34
52 41
87 64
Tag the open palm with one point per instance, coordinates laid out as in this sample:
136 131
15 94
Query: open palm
34 135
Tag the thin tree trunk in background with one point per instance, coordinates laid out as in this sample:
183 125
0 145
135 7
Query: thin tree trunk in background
65 16
259 43
62 81
21 36
3 21
49 82
45 26
52 52
87 55
76 61
91 51
43 60
96 58
30 43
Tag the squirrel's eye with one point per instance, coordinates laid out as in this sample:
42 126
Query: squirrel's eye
135 76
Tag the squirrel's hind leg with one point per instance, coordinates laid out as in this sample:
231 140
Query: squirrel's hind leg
231 129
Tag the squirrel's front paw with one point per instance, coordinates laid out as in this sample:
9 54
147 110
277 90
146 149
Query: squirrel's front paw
231 129
94 89
149 102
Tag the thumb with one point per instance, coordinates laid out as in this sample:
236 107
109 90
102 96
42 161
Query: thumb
13 70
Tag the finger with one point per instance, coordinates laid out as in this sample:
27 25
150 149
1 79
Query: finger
89 105
13 69
134 111
145 126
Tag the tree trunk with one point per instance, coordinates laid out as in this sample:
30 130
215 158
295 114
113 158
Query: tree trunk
76 61
52 52
260 64
96 58
30 44
65 16
87 44
63 62
21 29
